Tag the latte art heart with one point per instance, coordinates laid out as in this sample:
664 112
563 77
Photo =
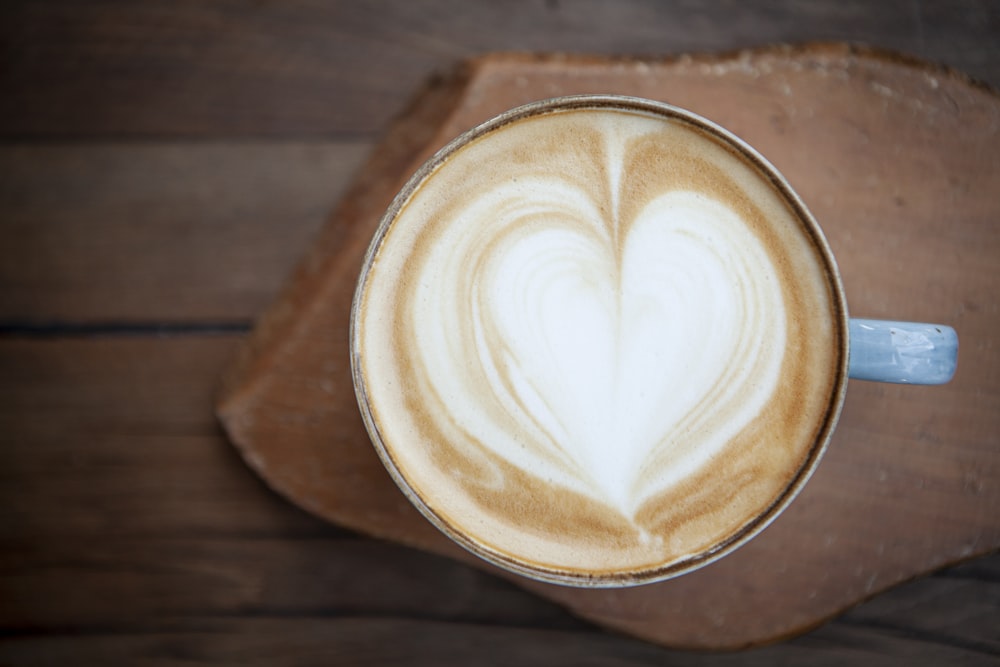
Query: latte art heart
605 351
596 342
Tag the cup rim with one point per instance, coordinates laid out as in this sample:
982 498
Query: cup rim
632 577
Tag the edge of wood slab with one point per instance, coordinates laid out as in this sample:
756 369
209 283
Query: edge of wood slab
788 50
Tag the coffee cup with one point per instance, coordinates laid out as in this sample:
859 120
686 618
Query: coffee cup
600 341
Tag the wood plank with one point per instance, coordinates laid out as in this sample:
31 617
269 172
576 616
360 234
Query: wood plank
348 641
135 583
117 438
215 69
160 231
393 641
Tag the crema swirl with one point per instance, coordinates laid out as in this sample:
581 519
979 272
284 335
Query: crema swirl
597 342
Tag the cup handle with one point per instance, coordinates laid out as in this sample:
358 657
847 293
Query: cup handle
902 352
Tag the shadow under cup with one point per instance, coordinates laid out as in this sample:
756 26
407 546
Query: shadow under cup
599 341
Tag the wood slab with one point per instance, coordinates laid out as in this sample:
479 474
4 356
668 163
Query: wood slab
900 162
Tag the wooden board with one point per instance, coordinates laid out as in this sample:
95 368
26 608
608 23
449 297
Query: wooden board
899 161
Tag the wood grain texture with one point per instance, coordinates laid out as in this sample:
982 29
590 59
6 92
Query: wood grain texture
160 231
162 167
216 69
882 150
372 642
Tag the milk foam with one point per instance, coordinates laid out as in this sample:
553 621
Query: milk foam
575 325
603 357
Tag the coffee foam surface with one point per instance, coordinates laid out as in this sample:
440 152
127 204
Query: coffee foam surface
583 342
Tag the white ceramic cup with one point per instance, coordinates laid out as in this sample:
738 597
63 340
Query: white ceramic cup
877 350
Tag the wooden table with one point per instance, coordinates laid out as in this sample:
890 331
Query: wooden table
163 167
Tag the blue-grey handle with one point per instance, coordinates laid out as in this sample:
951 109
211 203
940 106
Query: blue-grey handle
902 352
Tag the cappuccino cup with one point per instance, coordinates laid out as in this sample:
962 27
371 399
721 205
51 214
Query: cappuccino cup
600 341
